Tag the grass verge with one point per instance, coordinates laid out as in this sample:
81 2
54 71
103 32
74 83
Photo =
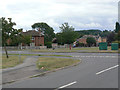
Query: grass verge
47 63
80 50
11 61
41 55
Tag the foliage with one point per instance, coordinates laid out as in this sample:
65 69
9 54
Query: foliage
49 44
67 35
59 38
0 32
90 41
8 32
104 33
26 39
81 44
111 37
46 29
117 27
89 32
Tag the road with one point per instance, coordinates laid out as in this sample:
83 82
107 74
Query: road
97 70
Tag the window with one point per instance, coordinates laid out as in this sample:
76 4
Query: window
33 38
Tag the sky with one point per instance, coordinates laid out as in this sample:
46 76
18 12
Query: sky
81 14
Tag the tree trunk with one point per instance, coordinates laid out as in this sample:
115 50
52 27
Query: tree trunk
6 51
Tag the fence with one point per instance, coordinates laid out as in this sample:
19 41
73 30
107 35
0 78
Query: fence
25 47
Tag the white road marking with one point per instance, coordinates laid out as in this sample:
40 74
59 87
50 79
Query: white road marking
107 69
98 56
67 85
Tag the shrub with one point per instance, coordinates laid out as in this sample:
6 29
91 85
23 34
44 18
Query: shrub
48 44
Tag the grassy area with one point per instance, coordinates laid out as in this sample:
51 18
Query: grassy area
41 55
11 61
54 63
82 49
65 49
57 55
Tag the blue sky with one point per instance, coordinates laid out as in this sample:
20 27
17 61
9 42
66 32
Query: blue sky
81 14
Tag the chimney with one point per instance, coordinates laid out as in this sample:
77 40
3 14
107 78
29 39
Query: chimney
39 31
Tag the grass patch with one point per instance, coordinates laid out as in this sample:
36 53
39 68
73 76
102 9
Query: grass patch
11 61
41 55
56 50
82 49
23 54
54 63
56 55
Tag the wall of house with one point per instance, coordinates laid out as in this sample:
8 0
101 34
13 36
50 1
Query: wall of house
42 40
39 41
104 40
82 40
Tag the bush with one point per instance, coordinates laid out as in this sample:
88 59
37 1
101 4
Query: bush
48 44
90 41
81 44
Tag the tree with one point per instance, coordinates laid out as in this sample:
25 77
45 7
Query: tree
117 27
111 37
105 33
0 32
68 35
90 41
8 32
59 38
46 29
26 39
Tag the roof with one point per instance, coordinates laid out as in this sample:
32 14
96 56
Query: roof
32 33
86 36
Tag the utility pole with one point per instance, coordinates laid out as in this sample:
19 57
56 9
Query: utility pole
19 54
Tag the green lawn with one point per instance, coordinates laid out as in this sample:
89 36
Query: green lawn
40 55
11 61
82 49
64 49
54 63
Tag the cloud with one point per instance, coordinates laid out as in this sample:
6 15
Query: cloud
87 14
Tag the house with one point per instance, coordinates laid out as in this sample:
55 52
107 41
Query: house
37 37
54 43
97 38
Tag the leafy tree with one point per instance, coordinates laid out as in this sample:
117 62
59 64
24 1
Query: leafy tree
0 32
8 32
111 37
49 44
26 39
117 27
105 33
89 32
59 38
90 41
68 35
46 29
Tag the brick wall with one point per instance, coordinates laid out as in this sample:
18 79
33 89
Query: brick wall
82 40
39 41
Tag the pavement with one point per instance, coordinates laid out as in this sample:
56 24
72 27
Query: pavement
26 69
97 70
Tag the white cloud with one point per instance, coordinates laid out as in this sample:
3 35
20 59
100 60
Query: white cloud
87 14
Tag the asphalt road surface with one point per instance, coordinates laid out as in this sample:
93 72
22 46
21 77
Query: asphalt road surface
97 70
